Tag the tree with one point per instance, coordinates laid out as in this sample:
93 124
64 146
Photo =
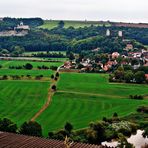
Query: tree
5 77
96 133
115 115
128 76
68 127
61 24
119 73
7 125
31 128
54 87
17 50
57 74
71 56
52 76
5 51
28 66
140 77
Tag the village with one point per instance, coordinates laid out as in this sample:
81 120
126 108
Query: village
132 57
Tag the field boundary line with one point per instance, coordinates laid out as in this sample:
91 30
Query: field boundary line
90 94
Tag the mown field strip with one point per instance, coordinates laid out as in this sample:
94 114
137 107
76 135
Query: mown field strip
20 100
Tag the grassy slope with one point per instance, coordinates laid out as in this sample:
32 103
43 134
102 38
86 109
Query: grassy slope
81 109
20 100
76 24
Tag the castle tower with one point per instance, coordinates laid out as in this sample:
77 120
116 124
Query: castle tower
108 33
21 23
120 33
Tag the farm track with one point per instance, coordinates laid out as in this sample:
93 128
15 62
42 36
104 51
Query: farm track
50 94
89 94
49 99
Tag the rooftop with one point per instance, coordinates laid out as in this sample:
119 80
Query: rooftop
10 140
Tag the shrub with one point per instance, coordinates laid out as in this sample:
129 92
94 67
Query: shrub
5 77
28 66
7 125
54 87
31 129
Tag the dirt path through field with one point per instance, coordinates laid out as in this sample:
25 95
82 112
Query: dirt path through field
50 94
49 99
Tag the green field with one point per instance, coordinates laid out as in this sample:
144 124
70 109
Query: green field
50 24
6 63
82 98
34 72
12 72
20 100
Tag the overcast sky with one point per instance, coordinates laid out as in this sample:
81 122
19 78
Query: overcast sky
113 10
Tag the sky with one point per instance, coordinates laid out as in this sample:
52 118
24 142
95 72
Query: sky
113 10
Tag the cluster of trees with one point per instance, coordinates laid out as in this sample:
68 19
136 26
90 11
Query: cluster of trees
18 77
97 132
55 77
27 128
14 51
27 66
43 67
120 75
136 97
49 55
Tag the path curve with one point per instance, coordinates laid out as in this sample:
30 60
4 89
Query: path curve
50 94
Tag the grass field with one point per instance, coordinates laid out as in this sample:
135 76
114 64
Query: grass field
12 72
34 72
82 98
50 24
20 100
6 64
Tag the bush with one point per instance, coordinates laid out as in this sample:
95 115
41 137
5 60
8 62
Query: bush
53 67
68 127
5 77
136 97
28 66
57 74
52 76
7 125
31 129
54 87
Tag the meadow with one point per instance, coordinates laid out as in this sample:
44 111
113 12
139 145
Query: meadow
20 100
34 72
50 24
20 72
82 98
7 63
